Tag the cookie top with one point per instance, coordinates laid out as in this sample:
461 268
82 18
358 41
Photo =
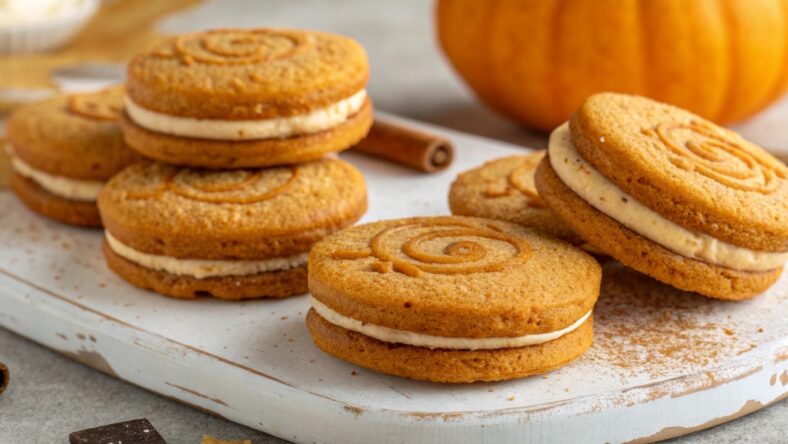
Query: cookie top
231 215
689 170
504 189
75 136
240 74
454 276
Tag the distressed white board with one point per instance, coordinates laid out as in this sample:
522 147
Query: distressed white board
664 363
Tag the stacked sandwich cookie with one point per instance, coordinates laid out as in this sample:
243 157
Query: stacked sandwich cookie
62 152
670 194
241 122
229 234
247 98
451 299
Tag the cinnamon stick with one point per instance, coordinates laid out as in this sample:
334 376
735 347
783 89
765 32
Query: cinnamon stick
5 376
407 146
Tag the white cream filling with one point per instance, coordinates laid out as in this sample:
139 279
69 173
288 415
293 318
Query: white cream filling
395 336
203 268
66 187
602 194
280 127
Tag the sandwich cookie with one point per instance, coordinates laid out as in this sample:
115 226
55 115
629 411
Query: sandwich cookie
451 299
234 98
62 150
670 194
504 189
236 234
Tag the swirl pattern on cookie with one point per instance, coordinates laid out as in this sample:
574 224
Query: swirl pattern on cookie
236 46
695 146
520 180
102 105
441 247
221 187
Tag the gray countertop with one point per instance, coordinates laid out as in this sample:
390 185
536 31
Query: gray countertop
51 395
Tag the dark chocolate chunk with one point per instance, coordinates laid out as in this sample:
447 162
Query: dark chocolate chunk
5 376
130 432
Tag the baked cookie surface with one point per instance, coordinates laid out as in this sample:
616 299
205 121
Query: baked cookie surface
687 169
64 149
451 288
247 74
235 98
504 189
694 170
183 232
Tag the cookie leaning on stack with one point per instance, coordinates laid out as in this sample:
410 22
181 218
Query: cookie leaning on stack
63 150
229 234
670 194
247 98
451 299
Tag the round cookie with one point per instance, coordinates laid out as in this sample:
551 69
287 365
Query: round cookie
229 234
670 194
451 299
63 150
504 189
232 98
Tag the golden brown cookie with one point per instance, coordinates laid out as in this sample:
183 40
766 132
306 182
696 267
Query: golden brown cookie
62 150
72 212
670 194
231 234
504 189
451 299
231 98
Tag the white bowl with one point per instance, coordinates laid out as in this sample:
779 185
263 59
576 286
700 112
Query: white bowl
49 33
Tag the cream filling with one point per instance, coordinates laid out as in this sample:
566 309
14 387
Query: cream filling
203 268
280 127
395 336
72 189
599 192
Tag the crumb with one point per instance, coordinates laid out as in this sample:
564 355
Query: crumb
567 390
283 318
354 373
728 331
511 398
490 390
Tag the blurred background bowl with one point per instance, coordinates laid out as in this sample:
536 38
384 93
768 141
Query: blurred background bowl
46 33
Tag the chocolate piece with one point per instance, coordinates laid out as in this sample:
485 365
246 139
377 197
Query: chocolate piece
208 439
5 376
130 432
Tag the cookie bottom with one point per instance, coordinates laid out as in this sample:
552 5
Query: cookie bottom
442 365
642 254
275 284
67 211
217 154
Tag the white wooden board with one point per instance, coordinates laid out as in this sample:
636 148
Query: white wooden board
664 363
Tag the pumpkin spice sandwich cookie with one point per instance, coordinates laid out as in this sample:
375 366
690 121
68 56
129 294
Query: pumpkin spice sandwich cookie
235 234
670 194
62 150
451 299
504 189
247 98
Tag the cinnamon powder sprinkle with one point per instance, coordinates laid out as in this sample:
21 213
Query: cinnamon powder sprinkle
642 326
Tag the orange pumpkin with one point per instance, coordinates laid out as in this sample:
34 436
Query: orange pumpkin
536 60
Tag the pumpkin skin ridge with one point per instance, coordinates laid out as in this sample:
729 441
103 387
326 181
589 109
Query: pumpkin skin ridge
780 87
736 91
